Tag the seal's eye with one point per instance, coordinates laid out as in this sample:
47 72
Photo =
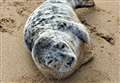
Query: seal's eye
60 45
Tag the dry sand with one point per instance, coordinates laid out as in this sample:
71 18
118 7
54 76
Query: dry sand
104 25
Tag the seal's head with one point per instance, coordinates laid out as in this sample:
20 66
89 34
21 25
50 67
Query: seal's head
53 55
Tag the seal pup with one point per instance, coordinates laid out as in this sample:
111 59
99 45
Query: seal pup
56 38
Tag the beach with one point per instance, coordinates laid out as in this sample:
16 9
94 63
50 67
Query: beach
103 23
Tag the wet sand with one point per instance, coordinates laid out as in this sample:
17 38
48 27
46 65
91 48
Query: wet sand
103 23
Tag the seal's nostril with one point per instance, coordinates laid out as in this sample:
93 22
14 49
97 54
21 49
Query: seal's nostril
50 62
60 45
62 55
70 61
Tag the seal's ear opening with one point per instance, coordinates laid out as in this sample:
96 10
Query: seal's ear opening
80 31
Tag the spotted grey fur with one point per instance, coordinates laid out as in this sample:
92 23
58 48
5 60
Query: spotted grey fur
53 34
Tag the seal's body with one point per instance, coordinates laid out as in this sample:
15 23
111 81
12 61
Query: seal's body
56 38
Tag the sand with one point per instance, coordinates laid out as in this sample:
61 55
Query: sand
103 23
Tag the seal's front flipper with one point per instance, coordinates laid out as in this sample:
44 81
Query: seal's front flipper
80 31
84 3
